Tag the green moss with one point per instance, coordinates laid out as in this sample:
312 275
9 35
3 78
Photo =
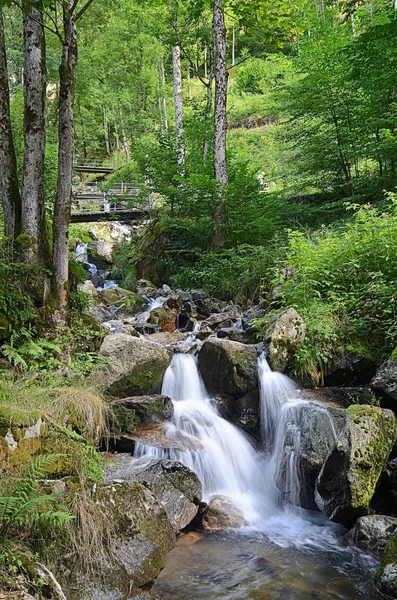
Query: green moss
394 354
390 554
364 410
13 418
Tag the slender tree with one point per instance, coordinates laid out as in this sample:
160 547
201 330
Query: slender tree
9 187
220 123
34 225
62 209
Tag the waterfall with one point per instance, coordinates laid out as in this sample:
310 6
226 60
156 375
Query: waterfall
227 463
259 482
287 417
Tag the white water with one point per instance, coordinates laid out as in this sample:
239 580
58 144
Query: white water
228 463
155 302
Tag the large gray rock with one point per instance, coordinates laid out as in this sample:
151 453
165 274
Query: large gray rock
125 301
386 378
176 487
348 478
222 513
372 532
284 336
140 536
310 433
230 369
134 366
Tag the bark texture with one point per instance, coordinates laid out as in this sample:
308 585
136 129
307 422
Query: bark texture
36 247
67 72
220 122
178 104
9 187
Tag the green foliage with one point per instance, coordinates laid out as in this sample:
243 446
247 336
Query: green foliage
26 507
344 285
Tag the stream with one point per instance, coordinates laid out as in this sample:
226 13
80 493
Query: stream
283 552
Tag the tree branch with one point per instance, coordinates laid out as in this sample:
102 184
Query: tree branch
83 9
192 64
19 5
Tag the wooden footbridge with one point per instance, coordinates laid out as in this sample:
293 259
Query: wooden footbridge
93 202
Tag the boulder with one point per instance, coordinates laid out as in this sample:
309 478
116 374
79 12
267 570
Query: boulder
134 366
222 513
128 413
318 429
87 287
229 369
230 333
118 326
139 537
127 302
372 532
175 486
386 577
285 334
342 396
26 434
385 379
102 253
348 478
165 317
347 367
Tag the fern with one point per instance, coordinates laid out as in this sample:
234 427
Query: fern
25 507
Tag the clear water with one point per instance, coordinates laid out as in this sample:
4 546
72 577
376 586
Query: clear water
284 552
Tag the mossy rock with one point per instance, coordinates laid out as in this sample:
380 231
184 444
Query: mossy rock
386 577
135 366
139 537
128 413
348 479
28 433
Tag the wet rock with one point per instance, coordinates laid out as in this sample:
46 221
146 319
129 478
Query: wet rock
230 369
386 577
87 287
128 413
284 336
144 287
230 333
385 379
318 429
164 436
349 368
372 532
118 326
176 487
140 536
135 366
222 513
348 478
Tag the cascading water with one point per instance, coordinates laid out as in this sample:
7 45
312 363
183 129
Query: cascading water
227 463
286 552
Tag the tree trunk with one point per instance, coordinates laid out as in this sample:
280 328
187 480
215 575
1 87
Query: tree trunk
220 123
35 248
178 104
67 73
208 108
124 137
9 187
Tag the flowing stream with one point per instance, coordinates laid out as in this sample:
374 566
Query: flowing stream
284 552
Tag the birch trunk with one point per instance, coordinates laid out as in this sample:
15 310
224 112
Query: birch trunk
35 248
67 73
208 110
9 187
220 123
178 104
